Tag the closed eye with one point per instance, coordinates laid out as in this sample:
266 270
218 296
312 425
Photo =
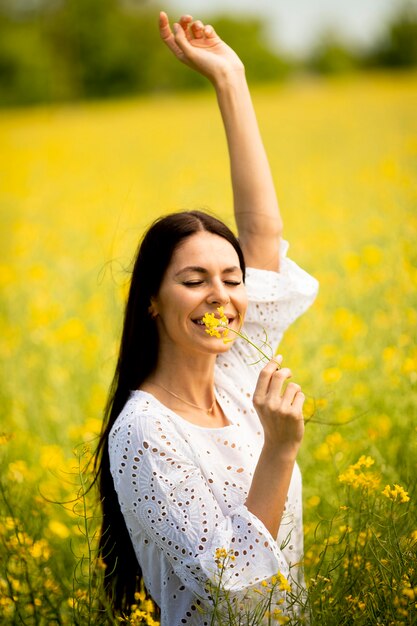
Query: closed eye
195 283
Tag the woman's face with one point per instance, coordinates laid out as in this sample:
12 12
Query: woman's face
204 274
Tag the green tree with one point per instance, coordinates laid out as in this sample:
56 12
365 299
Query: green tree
398 46
332 56
104 48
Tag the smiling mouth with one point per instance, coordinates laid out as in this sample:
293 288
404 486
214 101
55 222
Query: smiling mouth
199 322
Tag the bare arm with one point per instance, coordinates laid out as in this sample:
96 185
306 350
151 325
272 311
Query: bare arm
255 203
259 224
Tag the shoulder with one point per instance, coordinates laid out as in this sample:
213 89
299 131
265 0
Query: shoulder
147 425
142 416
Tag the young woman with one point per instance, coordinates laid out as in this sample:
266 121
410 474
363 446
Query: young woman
198 451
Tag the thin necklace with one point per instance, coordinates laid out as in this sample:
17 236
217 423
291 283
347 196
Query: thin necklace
209 411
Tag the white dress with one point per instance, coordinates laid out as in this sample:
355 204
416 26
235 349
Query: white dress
182 487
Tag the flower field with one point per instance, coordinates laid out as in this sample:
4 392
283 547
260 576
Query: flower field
78 186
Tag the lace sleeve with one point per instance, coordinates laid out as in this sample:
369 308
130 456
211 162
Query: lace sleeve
276 300
167 500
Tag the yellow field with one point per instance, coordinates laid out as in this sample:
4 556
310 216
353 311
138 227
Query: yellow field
79 184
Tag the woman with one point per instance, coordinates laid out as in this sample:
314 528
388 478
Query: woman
198 450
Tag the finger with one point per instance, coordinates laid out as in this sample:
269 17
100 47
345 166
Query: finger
209 32
197 29
164 28
167 35
181 40
289 395
298 402
264 379
278 380
184 22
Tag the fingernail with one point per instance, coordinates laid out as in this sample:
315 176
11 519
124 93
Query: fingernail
175 28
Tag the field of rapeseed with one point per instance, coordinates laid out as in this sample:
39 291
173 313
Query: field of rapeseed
78 186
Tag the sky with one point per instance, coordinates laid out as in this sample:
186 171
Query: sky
294 25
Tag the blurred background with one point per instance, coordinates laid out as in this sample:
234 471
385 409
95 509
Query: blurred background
102 131
66 50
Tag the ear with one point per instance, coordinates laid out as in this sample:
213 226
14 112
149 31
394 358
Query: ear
153 309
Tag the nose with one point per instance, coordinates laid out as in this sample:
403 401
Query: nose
218 294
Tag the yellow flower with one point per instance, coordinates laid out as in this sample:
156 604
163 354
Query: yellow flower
59 529
331 375
40 549
4 438
284 585
18 471
396 494
279 617
355 477
221 553
410 593
212 323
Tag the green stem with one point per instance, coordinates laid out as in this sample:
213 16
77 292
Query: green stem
246 338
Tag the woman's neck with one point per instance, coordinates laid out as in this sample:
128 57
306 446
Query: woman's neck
189 376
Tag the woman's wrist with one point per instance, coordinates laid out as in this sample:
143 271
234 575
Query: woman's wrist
227 78
280 454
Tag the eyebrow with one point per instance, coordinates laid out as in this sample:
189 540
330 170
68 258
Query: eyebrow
203 270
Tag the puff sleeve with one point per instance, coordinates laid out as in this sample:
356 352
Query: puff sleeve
275 301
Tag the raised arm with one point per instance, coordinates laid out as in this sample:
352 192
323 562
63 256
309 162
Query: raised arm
255 203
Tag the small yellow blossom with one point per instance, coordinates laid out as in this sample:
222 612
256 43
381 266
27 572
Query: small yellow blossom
221 555
59 529
18 471
4 438
284 585
279 617
40 549
213 323
355 477
396 493
410 593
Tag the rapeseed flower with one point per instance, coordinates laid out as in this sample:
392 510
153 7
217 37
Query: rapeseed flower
356 477
213 323
283 584
396 494
58 529
221 555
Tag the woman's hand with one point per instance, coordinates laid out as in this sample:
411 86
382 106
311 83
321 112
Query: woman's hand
198 46
281 413
280 410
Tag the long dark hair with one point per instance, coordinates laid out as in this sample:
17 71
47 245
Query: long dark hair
137 359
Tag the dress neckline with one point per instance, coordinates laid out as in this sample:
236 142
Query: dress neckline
185 421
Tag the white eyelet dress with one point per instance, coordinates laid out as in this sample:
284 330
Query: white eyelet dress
182 487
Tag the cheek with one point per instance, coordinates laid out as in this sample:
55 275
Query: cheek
177 305
242 302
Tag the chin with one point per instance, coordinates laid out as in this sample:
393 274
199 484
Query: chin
222 347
